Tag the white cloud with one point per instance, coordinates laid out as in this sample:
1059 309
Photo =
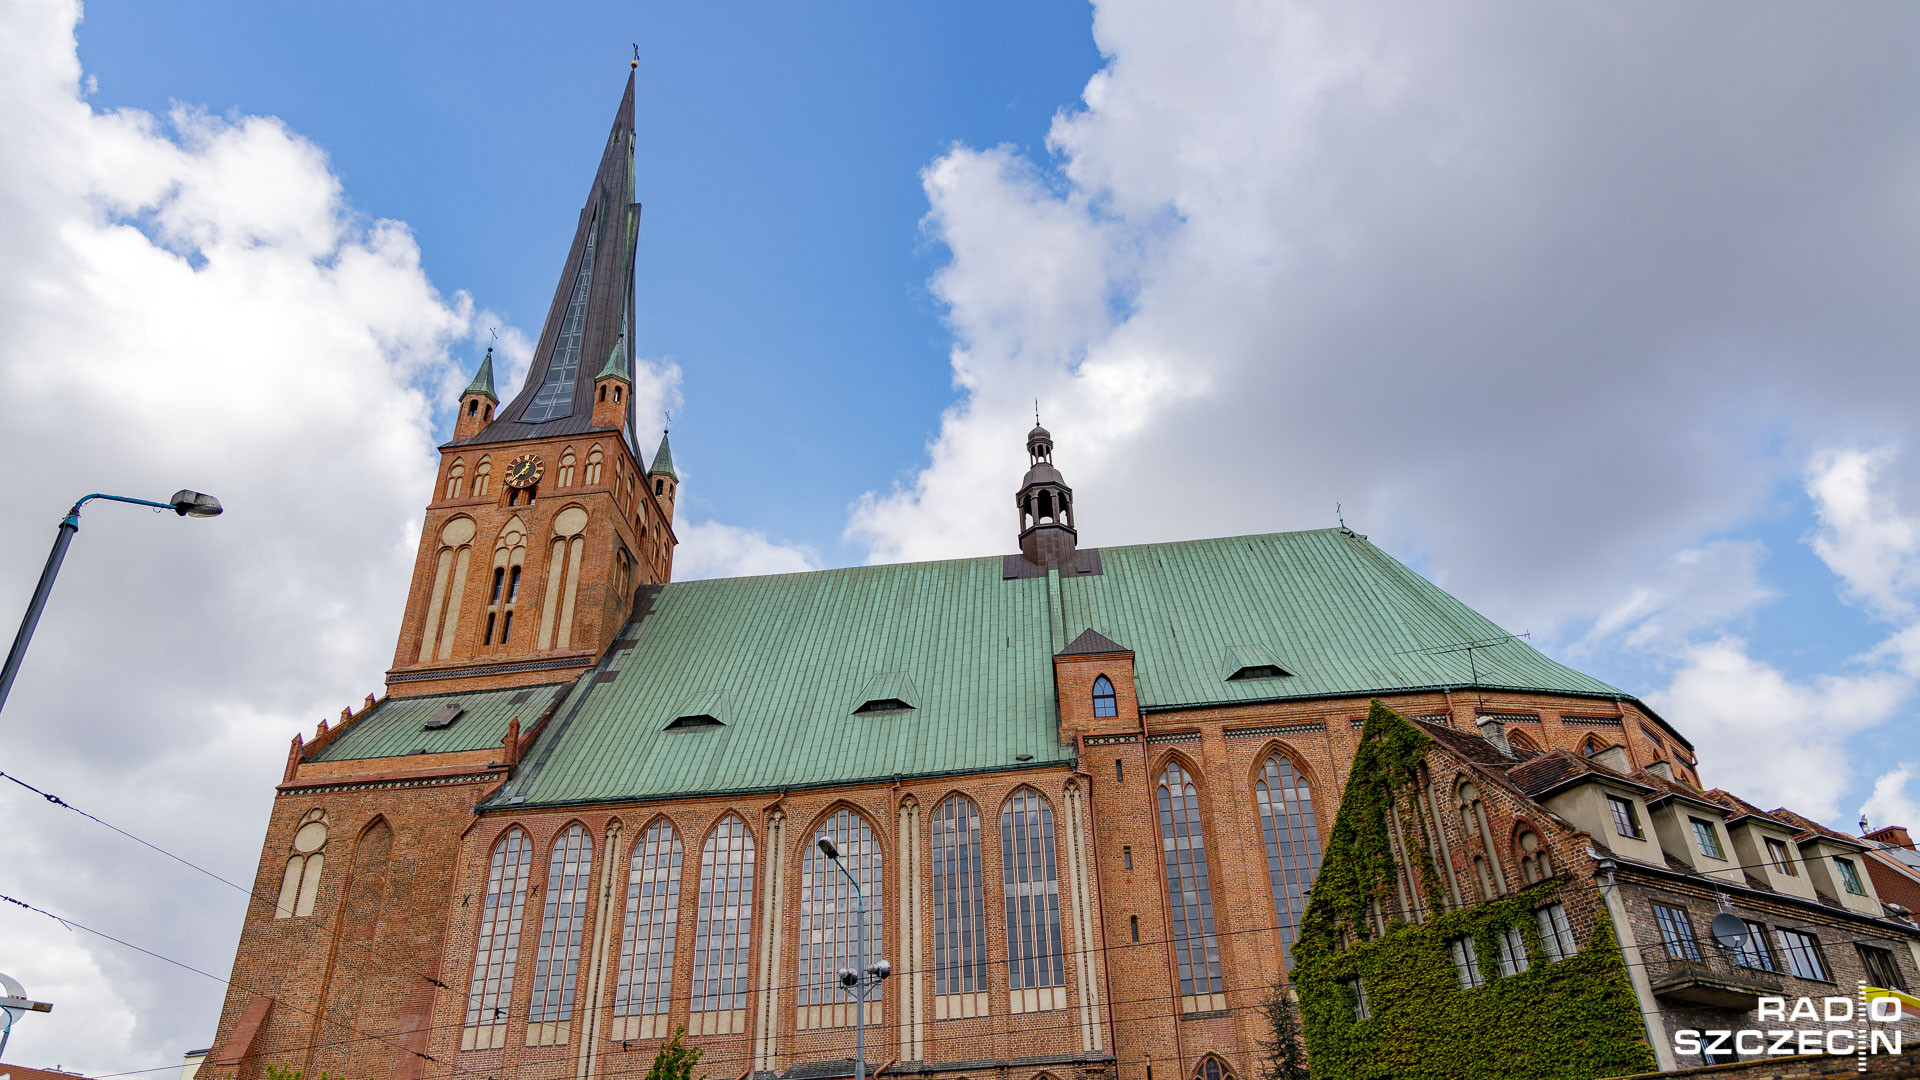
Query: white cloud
1863 536
190 301
1891 803
1693 589
710 549
1768 738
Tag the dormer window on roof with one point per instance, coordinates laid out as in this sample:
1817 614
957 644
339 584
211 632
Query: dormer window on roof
1249 662
702 712
888 692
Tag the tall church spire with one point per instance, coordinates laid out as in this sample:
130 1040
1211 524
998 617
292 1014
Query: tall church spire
592 303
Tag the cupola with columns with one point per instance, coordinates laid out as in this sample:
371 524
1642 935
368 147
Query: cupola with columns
1045 504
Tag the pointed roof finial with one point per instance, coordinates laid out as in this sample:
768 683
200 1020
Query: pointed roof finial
1036 412
483 379
663 460
636 57
616 365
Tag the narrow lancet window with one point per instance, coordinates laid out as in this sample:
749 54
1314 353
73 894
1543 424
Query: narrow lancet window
1189 893
1105 703
493 960
557 966
959 906
723 934
1293 843
1036 957
646 956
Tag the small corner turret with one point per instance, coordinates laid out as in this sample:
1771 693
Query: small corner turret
1045 502
665 481
613 389
476 401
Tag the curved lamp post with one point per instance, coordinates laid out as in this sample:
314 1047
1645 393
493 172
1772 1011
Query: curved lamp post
184 503
859 984
13 1002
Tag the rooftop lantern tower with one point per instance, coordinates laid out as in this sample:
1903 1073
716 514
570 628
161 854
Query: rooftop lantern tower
1045 502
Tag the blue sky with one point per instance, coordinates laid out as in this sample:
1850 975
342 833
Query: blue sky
782 264
1599 316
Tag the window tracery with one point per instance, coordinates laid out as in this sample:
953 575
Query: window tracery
1292 839
1036 961
1189 892
300 884
827 919
562 921
723 933
645 984
491 991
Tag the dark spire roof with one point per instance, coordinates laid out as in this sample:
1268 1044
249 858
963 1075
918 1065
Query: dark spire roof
663 461
592 303
1092 642
483 379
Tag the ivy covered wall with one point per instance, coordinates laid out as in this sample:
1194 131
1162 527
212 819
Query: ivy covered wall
1569 1020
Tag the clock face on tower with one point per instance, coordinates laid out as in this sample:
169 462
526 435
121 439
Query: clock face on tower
524 471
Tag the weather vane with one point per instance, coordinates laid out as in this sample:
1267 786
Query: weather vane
636 56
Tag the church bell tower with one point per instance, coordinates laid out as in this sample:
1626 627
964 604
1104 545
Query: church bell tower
1045 502
543 522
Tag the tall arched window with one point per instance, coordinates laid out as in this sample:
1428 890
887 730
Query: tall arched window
1184 852
565 477
828 925
1293 843
1211 1068
723 935
646 954
593 465
481 476
493 959
1036 957
1104 701
563 919
509 554
456 478
959 912
300 884
449 586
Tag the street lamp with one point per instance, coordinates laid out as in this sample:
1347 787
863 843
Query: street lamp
184 503
13 1002
856 985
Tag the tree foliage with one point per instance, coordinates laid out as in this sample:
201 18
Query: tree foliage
674 1061
1283 1051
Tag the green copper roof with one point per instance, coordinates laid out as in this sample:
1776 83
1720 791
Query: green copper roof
616 365
663 461
393 728
789 658
483 379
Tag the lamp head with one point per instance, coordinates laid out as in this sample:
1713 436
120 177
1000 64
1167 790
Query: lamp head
194 504
880 969
848 977
827 848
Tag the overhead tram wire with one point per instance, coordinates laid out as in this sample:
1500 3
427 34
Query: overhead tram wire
188 863
73 925
786 986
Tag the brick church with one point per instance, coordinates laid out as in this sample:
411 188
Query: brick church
587 812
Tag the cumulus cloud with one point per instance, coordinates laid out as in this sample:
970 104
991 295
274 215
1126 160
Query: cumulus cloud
711 549
1771 739
1694 588
1862 535
1891 803
1525 289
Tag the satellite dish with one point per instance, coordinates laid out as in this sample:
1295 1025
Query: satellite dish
1730 931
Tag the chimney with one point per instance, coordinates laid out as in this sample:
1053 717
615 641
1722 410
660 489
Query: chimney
1662 769
1494 730
1895 835
1614 758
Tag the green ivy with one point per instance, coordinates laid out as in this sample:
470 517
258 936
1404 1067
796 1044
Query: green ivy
1570 1020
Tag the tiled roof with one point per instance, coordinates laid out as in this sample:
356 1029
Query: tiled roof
1465 744
791 654
394 729
1092 643
1548 770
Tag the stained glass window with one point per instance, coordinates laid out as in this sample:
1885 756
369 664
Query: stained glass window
653 913
1188 891
555 396
721 938
959 900
1036 956
557 966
